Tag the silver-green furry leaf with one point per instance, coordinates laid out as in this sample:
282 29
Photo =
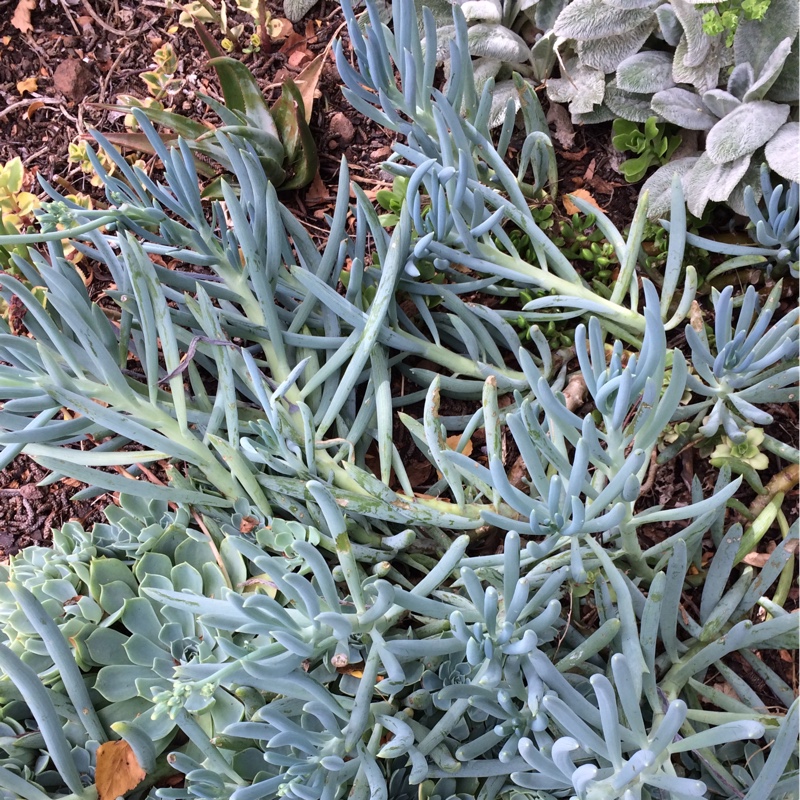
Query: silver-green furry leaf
744 130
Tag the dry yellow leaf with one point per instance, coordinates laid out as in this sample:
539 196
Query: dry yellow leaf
117 770
571 208
33 108
21 18
28 85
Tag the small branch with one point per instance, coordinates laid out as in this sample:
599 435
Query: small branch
28 101
783 481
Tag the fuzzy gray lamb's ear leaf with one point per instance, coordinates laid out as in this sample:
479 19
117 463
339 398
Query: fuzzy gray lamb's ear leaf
543 57
590 19
484 10
606 53
752 180
659 186
295 10
706 178
597 115
783 152
497 41
503 92
582 87
632 106
443 37
697 43
442 11
786 88
740 80
703 76
545 13
684 108
756 40
720 102
645 73
485 68
770 72
671 28
630 5
744 130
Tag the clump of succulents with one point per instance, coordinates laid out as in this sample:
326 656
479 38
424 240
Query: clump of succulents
283 615
254 680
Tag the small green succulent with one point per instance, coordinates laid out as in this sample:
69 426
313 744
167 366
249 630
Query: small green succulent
652 145
748 452
391 200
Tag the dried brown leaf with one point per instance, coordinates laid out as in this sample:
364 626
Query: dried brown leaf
571 208
564 131
33 108
117 770
27 85
21 18
307 82
452 443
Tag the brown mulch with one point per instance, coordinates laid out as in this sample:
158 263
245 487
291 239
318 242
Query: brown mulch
29 512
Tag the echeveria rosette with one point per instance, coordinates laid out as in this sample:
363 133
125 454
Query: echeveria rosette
747 452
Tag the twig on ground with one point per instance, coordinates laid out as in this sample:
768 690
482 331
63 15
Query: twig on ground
116 31
28 101
107 77
651 475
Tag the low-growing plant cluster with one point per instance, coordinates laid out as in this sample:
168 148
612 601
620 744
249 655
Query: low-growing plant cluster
724 73
274 608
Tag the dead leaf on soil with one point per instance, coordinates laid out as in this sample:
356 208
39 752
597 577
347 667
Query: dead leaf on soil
317 191
117 770
247 524
356 670
571 208
33 108
452 443
279 28
418 472
307 82
564 132
28 85
21 18
756 559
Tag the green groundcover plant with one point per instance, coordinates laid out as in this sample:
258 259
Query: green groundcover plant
285 615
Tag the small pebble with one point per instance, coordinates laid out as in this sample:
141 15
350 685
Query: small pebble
341 127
